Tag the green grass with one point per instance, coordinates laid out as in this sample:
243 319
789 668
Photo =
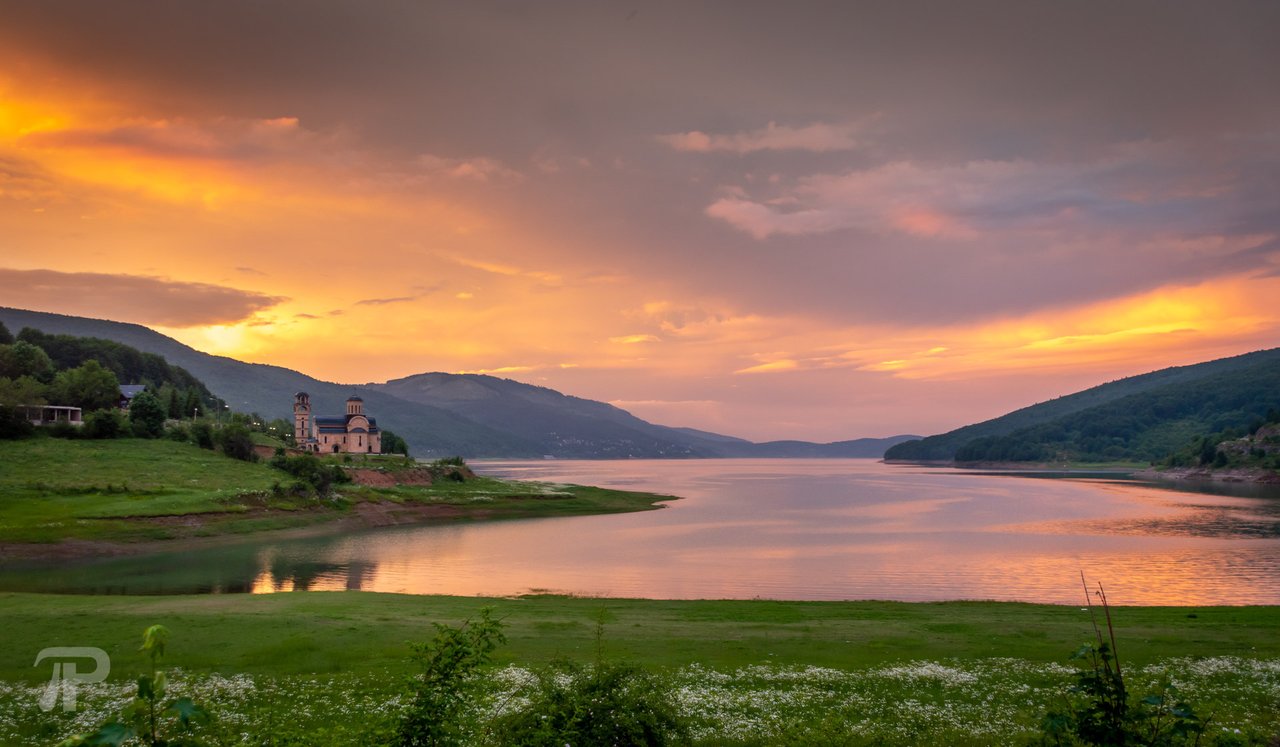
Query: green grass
292 633
52 489
133 490
327 668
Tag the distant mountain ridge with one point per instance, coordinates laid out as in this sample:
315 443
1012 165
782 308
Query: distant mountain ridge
442 414
1139 418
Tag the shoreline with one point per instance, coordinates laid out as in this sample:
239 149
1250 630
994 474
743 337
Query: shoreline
1181 475
1193 475
324 521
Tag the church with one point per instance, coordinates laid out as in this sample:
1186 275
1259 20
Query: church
356 433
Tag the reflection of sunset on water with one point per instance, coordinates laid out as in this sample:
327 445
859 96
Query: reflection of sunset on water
826 530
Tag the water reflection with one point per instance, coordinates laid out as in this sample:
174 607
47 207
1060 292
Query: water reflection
786 529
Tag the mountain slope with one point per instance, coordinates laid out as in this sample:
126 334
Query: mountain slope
442 414
565 425
268 390
1137 418
568 424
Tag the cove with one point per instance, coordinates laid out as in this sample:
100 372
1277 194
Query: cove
768 528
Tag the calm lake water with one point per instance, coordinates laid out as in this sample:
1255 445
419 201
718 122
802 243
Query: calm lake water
777 529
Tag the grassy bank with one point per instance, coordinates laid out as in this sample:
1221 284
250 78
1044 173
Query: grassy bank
134 491
327 667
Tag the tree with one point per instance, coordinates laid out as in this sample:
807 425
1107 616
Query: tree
281 429
170 400
236 442
202 434
146 416
89 386
393 444
6 337
24 359
108 423
23 390
13 424
191 404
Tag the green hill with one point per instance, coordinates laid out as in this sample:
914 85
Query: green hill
1140 418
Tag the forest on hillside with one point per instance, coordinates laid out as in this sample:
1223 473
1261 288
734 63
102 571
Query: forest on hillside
1148 425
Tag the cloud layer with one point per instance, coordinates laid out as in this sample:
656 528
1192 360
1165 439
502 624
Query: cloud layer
131 298
823 222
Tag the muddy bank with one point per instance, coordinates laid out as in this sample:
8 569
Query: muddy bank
1251 476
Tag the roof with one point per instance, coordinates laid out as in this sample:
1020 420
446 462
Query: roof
354 398
339 425
129 391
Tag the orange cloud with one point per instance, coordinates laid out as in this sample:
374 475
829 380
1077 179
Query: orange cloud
146 300
1148 330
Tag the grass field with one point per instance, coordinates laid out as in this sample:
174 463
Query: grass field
132 490
309 632
750 672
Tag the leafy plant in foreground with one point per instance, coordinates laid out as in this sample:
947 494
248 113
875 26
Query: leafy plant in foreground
613 704
1103 714
608 704
440 691
148 718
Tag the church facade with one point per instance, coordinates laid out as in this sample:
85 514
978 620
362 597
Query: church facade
355 433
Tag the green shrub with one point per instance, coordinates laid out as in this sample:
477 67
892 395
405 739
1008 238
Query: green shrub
62 429
202 434
13 425
613 704
1101 712
236 442
146 416
436 715
313 475
108 423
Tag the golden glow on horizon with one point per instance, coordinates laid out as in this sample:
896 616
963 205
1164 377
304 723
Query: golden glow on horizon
1146 326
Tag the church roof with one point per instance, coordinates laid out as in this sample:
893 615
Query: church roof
339 425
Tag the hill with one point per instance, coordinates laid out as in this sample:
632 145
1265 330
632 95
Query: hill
441 414
1140 418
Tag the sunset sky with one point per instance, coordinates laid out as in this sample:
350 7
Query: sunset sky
772 220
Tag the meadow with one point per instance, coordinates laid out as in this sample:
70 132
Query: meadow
130 491
331 667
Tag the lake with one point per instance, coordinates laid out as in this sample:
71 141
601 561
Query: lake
775 529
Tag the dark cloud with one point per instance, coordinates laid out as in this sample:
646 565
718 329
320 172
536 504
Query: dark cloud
1079 144
581 72
133 298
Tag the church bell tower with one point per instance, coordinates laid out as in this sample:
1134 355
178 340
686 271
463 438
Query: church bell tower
301 418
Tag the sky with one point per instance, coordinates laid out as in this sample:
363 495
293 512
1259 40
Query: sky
773 220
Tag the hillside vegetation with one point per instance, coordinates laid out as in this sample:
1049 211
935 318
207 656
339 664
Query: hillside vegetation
1138 419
